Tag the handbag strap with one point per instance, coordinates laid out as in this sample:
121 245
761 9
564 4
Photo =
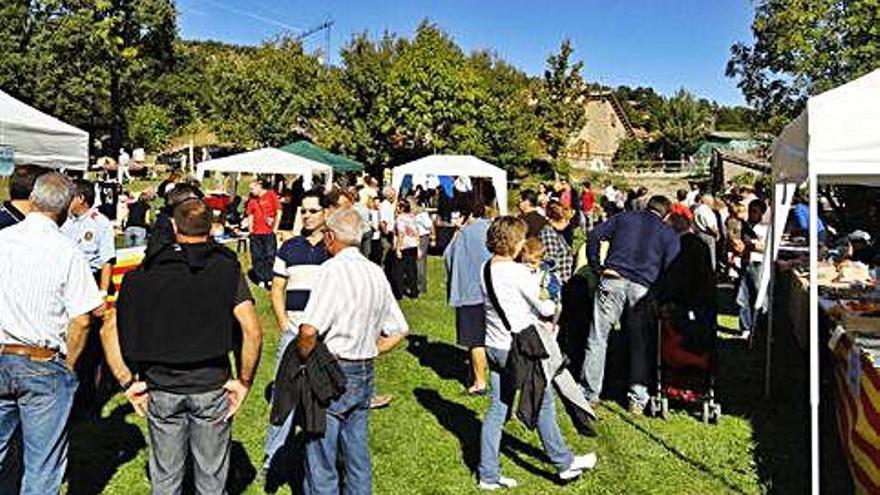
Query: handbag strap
493 298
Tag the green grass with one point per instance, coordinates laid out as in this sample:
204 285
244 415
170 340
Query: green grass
427 441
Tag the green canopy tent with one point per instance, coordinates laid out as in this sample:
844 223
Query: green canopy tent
308 150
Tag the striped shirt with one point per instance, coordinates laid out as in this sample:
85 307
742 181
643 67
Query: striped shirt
44 283
298 262
351 305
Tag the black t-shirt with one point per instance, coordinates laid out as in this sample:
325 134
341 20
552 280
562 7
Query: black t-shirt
137 214
108 192
9 215
194 378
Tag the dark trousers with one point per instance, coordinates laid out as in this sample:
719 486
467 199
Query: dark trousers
406 273
263 248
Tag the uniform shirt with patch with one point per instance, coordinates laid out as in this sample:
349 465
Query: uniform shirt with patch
93 235
298 261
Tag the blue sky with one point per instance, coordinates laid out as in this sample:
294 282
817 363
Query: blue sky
665 44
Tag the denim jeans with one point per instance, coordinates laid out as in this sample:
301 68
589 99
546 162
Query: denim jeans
612 297
263 248
345 437
135 236
502 392
180 424
36 397
276 436
424 246
745 296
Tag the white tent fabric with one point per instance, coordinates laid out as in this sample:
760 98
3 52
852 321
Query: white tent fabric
268 161
41 139
834 141
456 166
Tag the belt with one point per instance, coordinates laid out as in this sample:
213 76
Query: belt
33 353
354 361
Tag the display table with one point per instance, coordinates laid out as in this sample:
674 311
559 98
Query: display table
792 288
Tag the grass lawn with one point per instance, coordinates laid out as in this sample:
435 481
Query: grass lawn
428 440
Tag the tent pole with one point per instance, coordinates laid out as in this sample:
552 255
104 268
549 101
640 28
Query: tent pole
814 334
770 293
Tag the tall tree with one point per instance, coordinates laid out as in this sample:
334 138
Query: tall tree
560 104
804 47
684 122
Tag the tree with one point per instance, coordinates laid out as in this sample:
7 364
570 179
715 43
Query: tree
803 48
560 104
684 122
150 126
630 149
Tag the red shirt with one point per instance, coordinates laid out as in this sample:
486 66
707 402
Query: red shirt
683 210
264 210
588 200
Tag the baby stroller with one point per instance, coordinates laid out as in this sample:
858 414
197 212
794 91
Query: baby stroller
686 362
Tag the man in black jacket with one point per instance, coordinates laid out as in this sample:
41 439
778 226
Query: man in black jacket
176 316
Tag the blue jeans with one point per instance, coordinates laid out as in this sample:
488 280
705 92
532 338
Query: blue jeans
263 247
182 424
347 434
612 297
502 393
37 397
135 236
276 436
746 295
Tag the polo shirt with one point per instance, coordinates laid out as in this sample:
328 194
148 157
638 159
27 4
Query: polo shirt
298 261
9 215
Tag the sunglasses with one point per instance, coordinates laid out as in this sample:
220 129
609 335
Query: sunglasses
311 210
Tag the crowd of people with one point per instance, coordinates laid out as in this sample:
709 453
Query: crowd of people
508 278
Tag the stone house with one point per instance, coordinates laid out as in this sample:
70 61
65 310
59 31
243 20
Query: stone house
606 126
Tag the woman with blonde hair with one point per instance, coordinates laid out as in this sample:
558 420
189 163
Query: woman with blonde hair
513 304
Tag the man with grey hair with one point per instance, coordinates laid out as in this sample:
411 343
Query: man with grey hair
46 294
706 225
352 309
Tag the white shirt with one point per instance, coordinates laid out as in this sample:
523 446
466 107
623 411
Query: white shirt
611 194
705 220
386 214
351 304
44 283
518 290
424 223
93 234
761 231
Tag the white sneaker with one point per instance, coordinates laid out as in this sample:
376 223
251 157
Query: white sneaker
580 464
501 484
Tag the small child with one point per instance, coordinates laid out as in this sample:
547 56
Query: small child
533 257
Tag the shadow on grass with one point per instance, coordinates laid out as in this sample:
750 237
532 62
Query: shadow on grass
464 424
98 448
448 361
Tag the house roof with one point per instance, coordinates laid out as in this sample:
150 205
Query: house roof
615 104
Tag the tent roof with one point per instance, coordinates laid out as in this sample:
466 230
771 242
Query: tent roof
265 161
454 165
41 139
338 162
836 134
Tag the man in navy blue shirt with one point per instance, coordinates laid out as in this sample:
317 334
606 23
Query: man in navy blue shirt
21 184
296 265
641 246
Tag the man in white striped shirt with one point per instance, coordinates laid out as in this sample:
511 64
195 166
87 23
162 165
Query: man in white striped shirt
353 309
46 294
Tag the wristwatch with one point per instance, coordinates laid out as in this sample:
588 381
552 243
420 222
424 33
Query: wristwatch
126 385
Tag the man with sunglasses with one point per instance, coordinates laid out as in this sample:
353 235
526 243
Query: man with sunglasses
296 264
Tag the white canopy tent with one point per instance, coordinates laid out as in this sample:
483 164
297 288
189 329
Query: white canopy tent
268 161
455 166
834 141
40 139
